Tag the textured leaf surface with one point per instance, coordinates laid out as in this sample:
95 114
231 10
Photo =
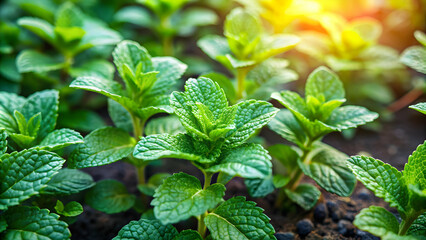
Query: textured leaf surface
168 124
328 168
100 85
377 221
305 195
286 125
110 196
33 61
238 219
33 223
9 102
60 138
188 235
350 116
181 197
258 187
131 54
414 57
249 160
23 174
68 181
325 85
3 141
419 226
145 229
170 70
286 155
102 146
381 178
421 107
415 169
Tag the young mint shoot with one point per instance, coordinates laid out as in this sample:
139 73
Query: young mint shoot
304 122
214 142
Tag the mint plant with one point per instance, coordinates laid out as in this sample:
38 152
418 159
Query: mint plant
415 57
148 82
406 191
304 122
245 47
214 142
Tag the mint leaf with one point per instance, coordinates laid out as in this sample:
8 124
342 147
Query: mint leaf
68 181
170 70
237 218
33 61
38 26
71 209
168 124
59 139
105 87
216 47
414 57
293 102
258 187
305 195
415 170
418 227
9 102
98 67
188 235
120 116
287 126
102 146
349 117
249 160
381 178
181 196
324 85
153 183
286 155
251 115
146 229
110 196
33 223
421 107
327 167
3 141
377 221
23 174
68 15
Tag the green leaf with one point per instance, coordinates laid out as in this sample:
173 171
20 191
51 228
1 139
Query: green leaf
165 146
23 174
286 155
97 67
146 229
170 70
415 170
327 166
181 196
81 120
135 15
33 223
60 138
68 181
68 15
293 102
216 47
105 87
251 115
45 102
324 85
102 146
71 209
381 178
38 26
417 197
287 126
33 61
305 195
272 45
377 221
153 183
280 181
110 196
349 117
421 37
224 82
418 227
3 141
9 102
249 160
188 235
421 107
169 124
120 116
414 57
238 219
3 224
258 187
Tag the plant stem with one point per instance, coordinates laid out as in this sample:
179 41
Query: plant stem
201 225
241 81
168 46
138 125
405 100
406 223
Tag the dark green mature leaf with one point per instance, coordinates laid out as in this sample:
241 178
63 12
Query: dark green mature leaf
120 116
421 107
258 187
415 170
381 178
102 146
181 196
38 26
146 229
68 181
349 117
417 197
153 183
23 174
414 57
286 155
251 115
249 160
324 85
59 139
305 195
33 61
188 235
3 141
286 125
33 223
418 228
377 221
9 102
110 196
327 167
238 219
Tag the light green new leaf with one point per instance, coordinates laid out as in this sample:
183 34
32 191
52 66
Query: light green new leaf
305 195
145 229
33 223
9 102
415 58
38 26
216 47
3 224
258 187
415 170
188 235
251 115
238 219
102 146
134 14
181 196
327 167
105 87
170 70
272 45
23 174
249 160
377 221
68 15
418 227
168 124
421 107
110 196
293 102
224 82
153 183
60 138
3 141
349 117
71 209
68 181
33 61
324 85
381 178
165 146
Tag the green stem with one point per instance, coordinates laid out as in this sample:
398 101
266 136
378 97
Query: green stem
201 225
168 46
167 39
241 82
406 223
138 127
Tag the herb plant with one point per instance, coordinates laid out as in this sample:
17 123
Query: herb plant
415 57
246 46
214 142
304 122
148 82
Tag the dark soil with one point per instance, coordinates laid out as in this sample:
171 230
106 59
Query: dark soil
331 218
